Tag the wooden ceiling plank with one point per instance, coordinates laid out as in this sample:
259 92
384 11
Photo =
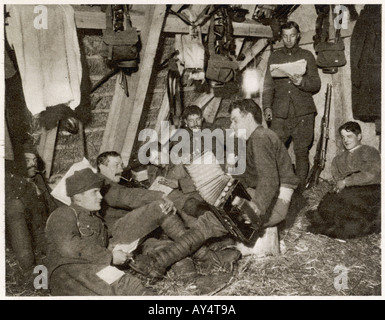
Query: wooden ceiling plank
96 20
252 52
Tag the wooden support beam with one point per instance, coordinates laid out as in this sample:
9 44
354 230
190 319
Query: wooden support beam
122 106
203 99
211 110
176 7
248 28
119 101
162 114
91 19
239 42
145 71
46 148
252 52
251 8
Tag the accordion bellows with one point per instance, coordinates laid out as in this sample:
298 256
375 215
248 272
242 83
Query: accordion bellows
209 178
226 197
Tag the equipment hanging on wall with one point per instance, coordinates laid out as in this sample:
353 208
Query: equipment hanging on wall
221 65
120 38
120 41
330 55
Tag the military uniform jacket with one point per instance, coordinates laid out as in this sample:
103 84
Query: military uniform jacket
76 236
268 166
279 92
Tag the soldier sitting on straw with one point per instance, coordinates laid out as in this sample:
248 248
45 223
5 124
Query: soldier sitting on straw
353 208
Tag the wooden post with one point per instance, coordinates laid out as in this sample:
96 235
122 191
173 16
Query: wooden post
203 99
46 148
83 140
251 8
268 244
211 109
252 52
123 107
155 25
162 114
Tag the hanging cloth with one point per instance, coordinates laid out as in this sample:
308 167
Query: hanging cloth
48 59
365 62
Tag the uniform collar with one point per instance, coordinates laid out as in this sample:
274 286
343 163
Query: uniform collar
80 209
292 50
355 148
259 127
107 181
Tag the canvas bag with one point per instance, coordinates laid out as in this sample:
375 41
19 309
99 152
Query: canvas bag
219 68
120 47
330 54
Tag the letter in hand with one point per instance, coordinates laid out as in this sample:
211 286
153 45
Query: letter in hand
167 206
119 257
296 79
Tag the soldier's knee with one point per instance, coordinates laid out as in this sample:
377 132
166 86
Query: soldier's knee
195 208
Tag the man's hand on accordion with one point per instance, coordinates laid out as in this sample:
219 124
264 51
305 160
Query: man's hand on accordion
239 202
256 210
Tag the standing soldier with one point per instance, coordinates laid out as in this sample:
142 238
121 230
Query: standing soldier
288 101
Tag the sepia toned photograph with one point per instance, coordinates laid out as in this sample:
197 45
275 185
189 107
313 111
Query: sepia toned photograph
192 151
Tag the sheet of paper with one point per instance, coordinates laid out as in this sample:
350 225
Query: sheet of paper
288 69
60 192
110 274
156 186
127 248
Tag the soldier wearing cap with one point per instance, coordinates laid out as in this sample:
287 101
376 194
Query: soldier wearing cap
77 241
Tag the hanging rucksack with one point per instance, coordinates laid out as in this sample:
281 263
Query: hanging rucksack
120 38
221 67
330 55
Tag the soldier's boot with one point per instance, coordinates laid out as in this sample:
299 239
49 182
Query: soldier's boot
208 259
173 226
183 269
155 263
19 234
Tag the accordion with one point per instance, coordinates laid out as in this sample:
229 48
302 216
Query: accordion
226 197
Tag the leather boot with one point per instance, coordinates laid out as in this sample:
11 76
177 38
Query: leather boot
207 259
184 269
18 231
173 226
155 263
